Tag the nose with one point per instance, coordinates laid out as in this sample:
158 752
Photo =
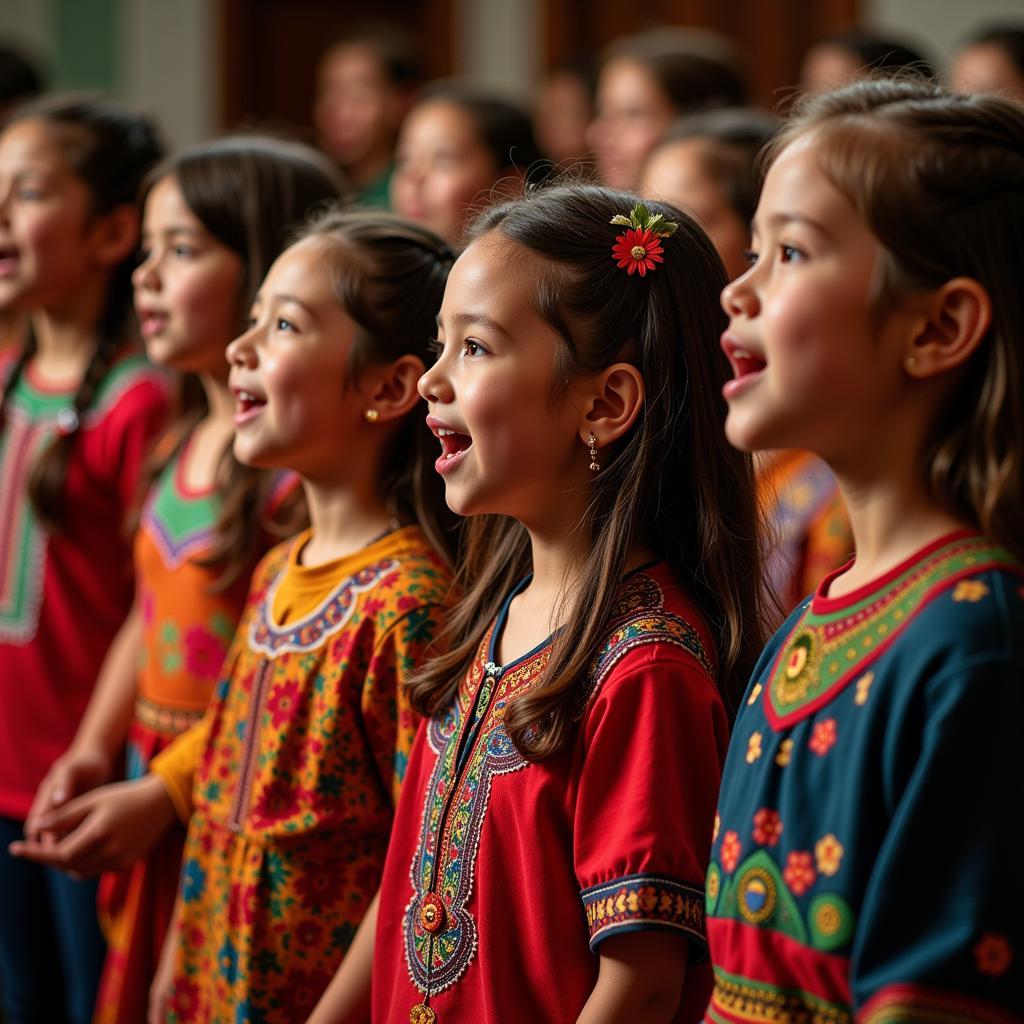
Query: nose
434 386
739 297
242 351
145 275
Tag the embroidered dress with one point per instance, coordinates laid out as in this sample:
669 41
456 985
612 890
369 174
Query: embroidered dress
64 595
807 521
187 628
307 738
504 877
864 866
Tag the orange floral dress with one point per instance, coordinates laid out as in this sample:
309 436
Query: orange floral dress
303 750
187 627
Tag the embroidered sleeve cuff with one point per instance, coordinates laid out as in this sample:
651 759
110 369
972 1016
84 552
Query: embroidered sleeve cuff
640 902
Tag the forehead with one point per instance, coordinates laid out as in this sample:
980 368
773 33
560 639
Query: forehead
30 141
303 270
491 277
797 184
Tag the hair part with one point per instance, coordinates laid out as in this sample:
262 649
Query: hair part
110 149
672 483
938 178
388 274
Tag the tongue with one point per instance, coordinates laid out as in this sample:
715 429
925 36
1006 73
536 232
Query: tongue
750 364
452 444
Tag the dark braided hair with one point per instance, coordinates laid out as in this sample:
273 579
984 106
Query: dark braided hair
110 149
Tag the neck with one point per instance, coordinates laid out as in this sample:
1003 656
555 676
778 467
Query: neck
366 171
891 513
64 344
219 400
344 518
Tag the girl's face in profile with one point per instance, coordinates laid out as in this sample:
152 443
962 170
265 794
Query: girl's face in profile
813 366
441 168
48 234
187 288
507 446
289 371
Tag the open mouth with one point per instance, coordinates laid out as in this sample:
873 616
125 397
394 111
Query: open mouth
9 260
151 322
745 363
453 443
247 406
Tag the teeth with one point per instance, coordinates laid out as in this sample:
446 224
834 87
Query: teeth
741 353
441 432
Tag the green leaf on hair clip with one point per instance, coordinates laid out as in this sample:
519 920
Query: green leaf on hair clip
641 219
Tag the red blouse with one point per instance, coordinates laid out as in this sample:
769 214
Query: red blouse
504 876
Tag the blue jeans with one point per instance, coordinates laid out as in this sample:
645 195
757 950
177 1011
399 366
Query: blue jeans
51 947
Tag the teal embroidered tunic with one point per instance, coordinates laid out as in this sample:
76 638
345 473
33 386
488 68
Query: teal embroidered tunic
863 866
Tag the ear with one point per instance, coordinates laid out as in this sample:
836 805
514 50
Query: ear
391 388
116 235
612 402
956 318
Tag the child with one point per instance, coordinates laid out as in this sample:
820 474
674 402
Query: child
216 216
648 80
78 411
304 745
992 60
864 843
560 798
456 144
707 166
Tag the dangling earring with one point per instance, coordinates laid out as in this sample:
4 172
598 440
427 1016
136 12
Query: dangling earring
592 441
371 415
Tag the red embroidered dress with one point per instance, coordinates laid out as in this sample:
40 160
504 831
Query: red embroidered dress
64 595
187 628
307 740
503 877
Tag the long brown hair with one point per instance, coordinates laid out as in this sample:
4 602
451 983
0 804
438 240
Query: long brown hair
389 276
672 483
939 180
249 192
110 149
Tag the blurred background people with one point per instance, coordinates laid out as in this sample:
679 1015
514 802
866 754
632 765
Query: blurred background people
365 84
992 60
563 109
647 81
843 57
456 145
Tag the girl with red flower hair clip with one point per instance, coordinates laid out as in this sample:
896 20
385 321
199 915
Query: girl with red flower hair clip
549 850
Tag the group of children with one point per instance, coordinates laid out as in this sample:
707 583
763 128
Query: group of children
437 638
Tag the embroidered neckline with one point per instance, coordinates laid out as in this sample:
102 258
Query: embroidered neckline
834 639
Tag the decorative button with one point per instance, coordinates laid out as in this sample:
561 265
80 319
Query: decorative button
432 913
422 1014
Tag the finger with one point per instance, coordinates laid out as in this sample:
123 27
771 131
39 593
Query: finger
75 852
64 819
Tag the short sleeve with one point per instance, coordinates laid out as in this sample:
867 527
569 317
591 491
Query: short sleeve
176 766
941 934
654 742
390 720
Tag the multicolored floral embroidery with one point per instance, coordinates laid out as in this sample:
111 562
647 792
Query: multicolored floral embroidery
643 899
785 753
863 688
970 590
831 921
828 855
799 873
767 827
823 737
754 747
731 850
826 652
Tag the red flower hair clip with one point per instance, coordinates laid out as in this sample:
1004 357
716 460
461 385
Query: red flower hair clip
639 249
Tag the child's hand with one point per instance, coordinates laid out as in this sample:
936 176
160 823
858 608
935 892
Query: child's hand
104 830
73 773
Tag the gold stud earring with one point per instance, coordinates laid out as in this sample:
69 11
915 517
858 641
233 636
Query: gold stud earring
594 466
371 415
911 362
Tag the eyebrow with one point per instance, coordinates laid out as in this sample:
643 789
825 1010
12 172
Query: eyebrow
480 319
284 297
784 218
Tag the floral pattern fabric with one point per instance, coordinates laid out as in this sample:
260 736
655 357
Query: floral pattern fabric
307 740
863 853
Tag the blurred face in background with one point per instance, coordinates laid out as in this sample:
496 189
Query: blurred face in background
680 173
564 110
633 112
987 67
827 66
357 108
442 168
